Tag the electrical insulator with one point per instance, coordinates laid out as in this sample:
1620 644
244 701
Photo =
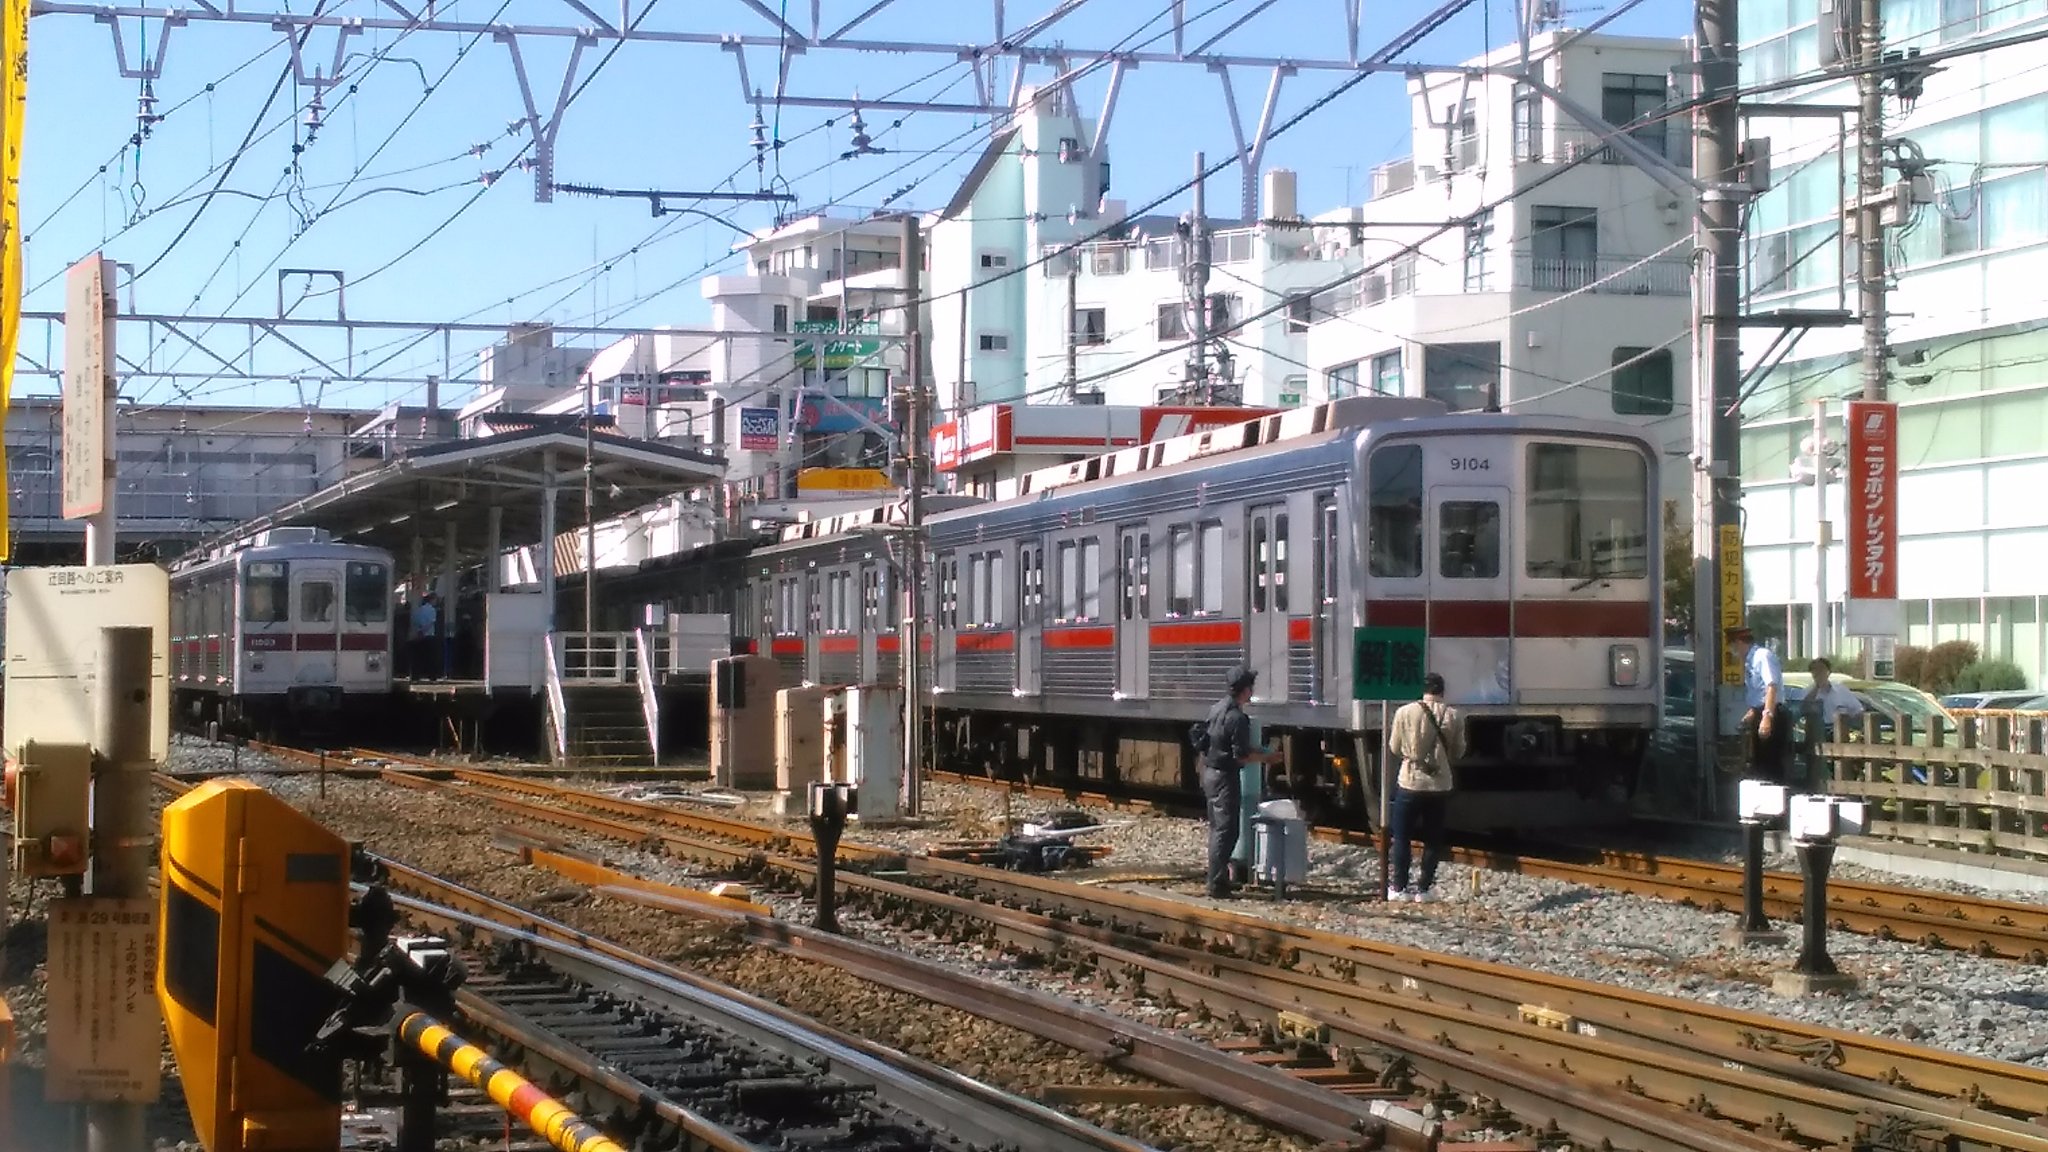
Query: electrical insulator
145 109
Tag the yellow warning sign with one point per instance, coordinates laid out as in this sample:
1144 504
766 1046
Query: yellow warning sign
1734 612
105 1029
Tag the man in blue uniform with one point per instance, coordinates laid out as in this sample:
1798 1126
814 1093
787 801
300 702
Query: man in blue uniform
1229 750
1764 720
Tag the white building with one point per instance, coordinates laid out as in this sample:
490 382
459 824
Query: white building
1573 298
1969 333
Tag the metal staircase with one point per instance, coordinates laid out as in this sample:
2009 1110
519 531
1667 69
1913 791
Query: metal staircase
603 708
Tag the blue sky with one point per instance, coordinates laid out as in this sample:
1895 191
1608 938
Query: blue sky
660 116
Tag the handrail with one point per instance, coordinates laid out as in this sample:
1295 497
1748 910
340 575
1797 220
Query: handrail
558 705
650 699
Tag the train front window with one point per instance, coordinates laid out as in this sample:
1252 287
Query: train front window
316 602
1394 479
1589 513
266 592
1468 545
366 593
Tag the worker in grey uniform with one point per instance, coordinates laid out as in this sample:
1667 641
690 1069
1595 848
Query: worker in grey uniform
1229 748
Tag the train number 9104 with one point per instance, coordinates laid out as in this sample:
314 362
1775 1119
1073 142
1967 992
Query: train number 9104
1471 464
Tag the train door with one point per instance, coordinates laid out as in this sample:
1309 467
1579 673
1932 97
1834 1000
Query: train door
814 626
871 616
1470 591
1325 637
1030 614
1134 612
316 599
1267 600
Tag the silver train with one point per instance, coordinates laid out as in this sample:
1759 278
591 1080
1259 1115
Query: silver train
1082 620
290 627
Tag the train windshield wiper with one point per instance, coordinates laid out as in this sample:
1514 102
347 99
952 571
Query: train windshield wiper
1588 582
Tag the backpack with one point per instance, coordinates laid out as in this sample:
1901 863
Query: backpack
1202 734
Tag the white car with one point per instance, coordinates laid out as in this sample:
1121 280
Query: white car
1987 701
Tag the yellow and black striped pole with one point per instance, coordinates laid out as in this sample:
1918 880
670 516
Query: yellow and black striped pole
514 1093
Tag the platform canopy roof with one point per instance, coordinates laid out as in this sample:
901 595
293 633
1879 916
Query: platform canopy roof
424 490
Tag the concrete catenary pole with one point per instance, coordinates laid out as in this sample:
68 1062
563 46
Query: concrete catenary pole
917 443
1717 424
1870 188
122 713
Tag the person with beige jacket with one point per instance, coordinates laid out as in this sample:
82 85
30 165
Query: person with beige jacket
1426 740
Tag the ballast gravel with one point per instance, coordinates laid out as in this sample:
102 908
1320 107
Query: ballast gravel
1945 999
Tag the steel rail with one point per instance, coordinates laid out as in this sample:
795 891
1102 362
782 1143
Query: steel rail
959 1106
1982 925
1596 1113
557 1061
1279 1099
1590 1007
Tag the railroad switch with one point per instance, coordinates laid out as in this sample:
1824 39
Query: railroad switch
1761 806
1899 1134
1295 1025
1547 1018
1815 822
829 804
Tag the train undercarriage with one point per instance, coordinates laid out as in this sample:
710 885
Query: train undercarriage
1522 774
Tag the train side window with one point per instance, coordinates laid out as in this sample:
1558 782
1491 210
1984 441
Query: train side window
1209 597
1180 577
316 602
993 602
1091 579
266 592
1144 576
1261 565
1468 539
366 593
977 590
1394 521
1280 562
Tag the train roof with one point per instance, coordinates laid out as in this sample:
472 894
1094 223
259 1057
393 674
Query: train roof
304 542
1297 427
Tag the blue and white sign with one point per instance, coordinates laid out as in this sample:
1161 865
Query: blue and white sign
760 428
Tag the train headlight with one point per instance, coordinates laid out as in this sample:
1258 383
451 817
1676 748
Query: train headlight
256 664
374 661
1624 665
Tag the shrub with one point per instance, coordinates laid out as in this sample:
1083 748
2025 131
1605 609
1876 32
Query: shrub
1909 664
1991 676
1945 662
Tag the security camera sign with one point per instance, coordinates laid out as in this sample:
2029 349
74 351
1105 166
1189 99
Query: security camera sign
760 428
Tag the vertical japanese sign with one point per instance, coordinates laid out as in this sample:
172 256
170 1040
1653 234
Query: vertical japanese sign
88 357
1873 499
13 120
1734 606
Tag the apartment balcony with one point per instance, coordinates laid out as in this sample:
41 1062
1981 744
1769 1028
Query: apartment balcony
1571 143
1604 275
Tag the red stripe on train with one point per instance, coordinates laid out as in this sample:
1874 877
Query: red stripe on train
793 646
1532 619
838 645
1177 634
1080 637
363 641
1299 631
985 642
888 642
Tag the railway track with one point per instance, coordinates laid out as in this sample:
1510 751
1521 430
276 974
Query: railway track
1767 1078
2009 929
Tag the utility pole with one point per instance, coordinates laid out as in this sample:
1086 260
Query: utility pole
916 444
1717 382
589 511
1871 279
1821 463
1196 271
123 706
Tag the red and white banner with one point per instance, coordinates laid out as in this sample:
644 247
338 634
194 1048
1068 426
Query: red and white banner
1872 500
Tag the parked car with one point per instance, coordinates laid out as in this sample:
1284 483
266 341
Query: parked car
1987 701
